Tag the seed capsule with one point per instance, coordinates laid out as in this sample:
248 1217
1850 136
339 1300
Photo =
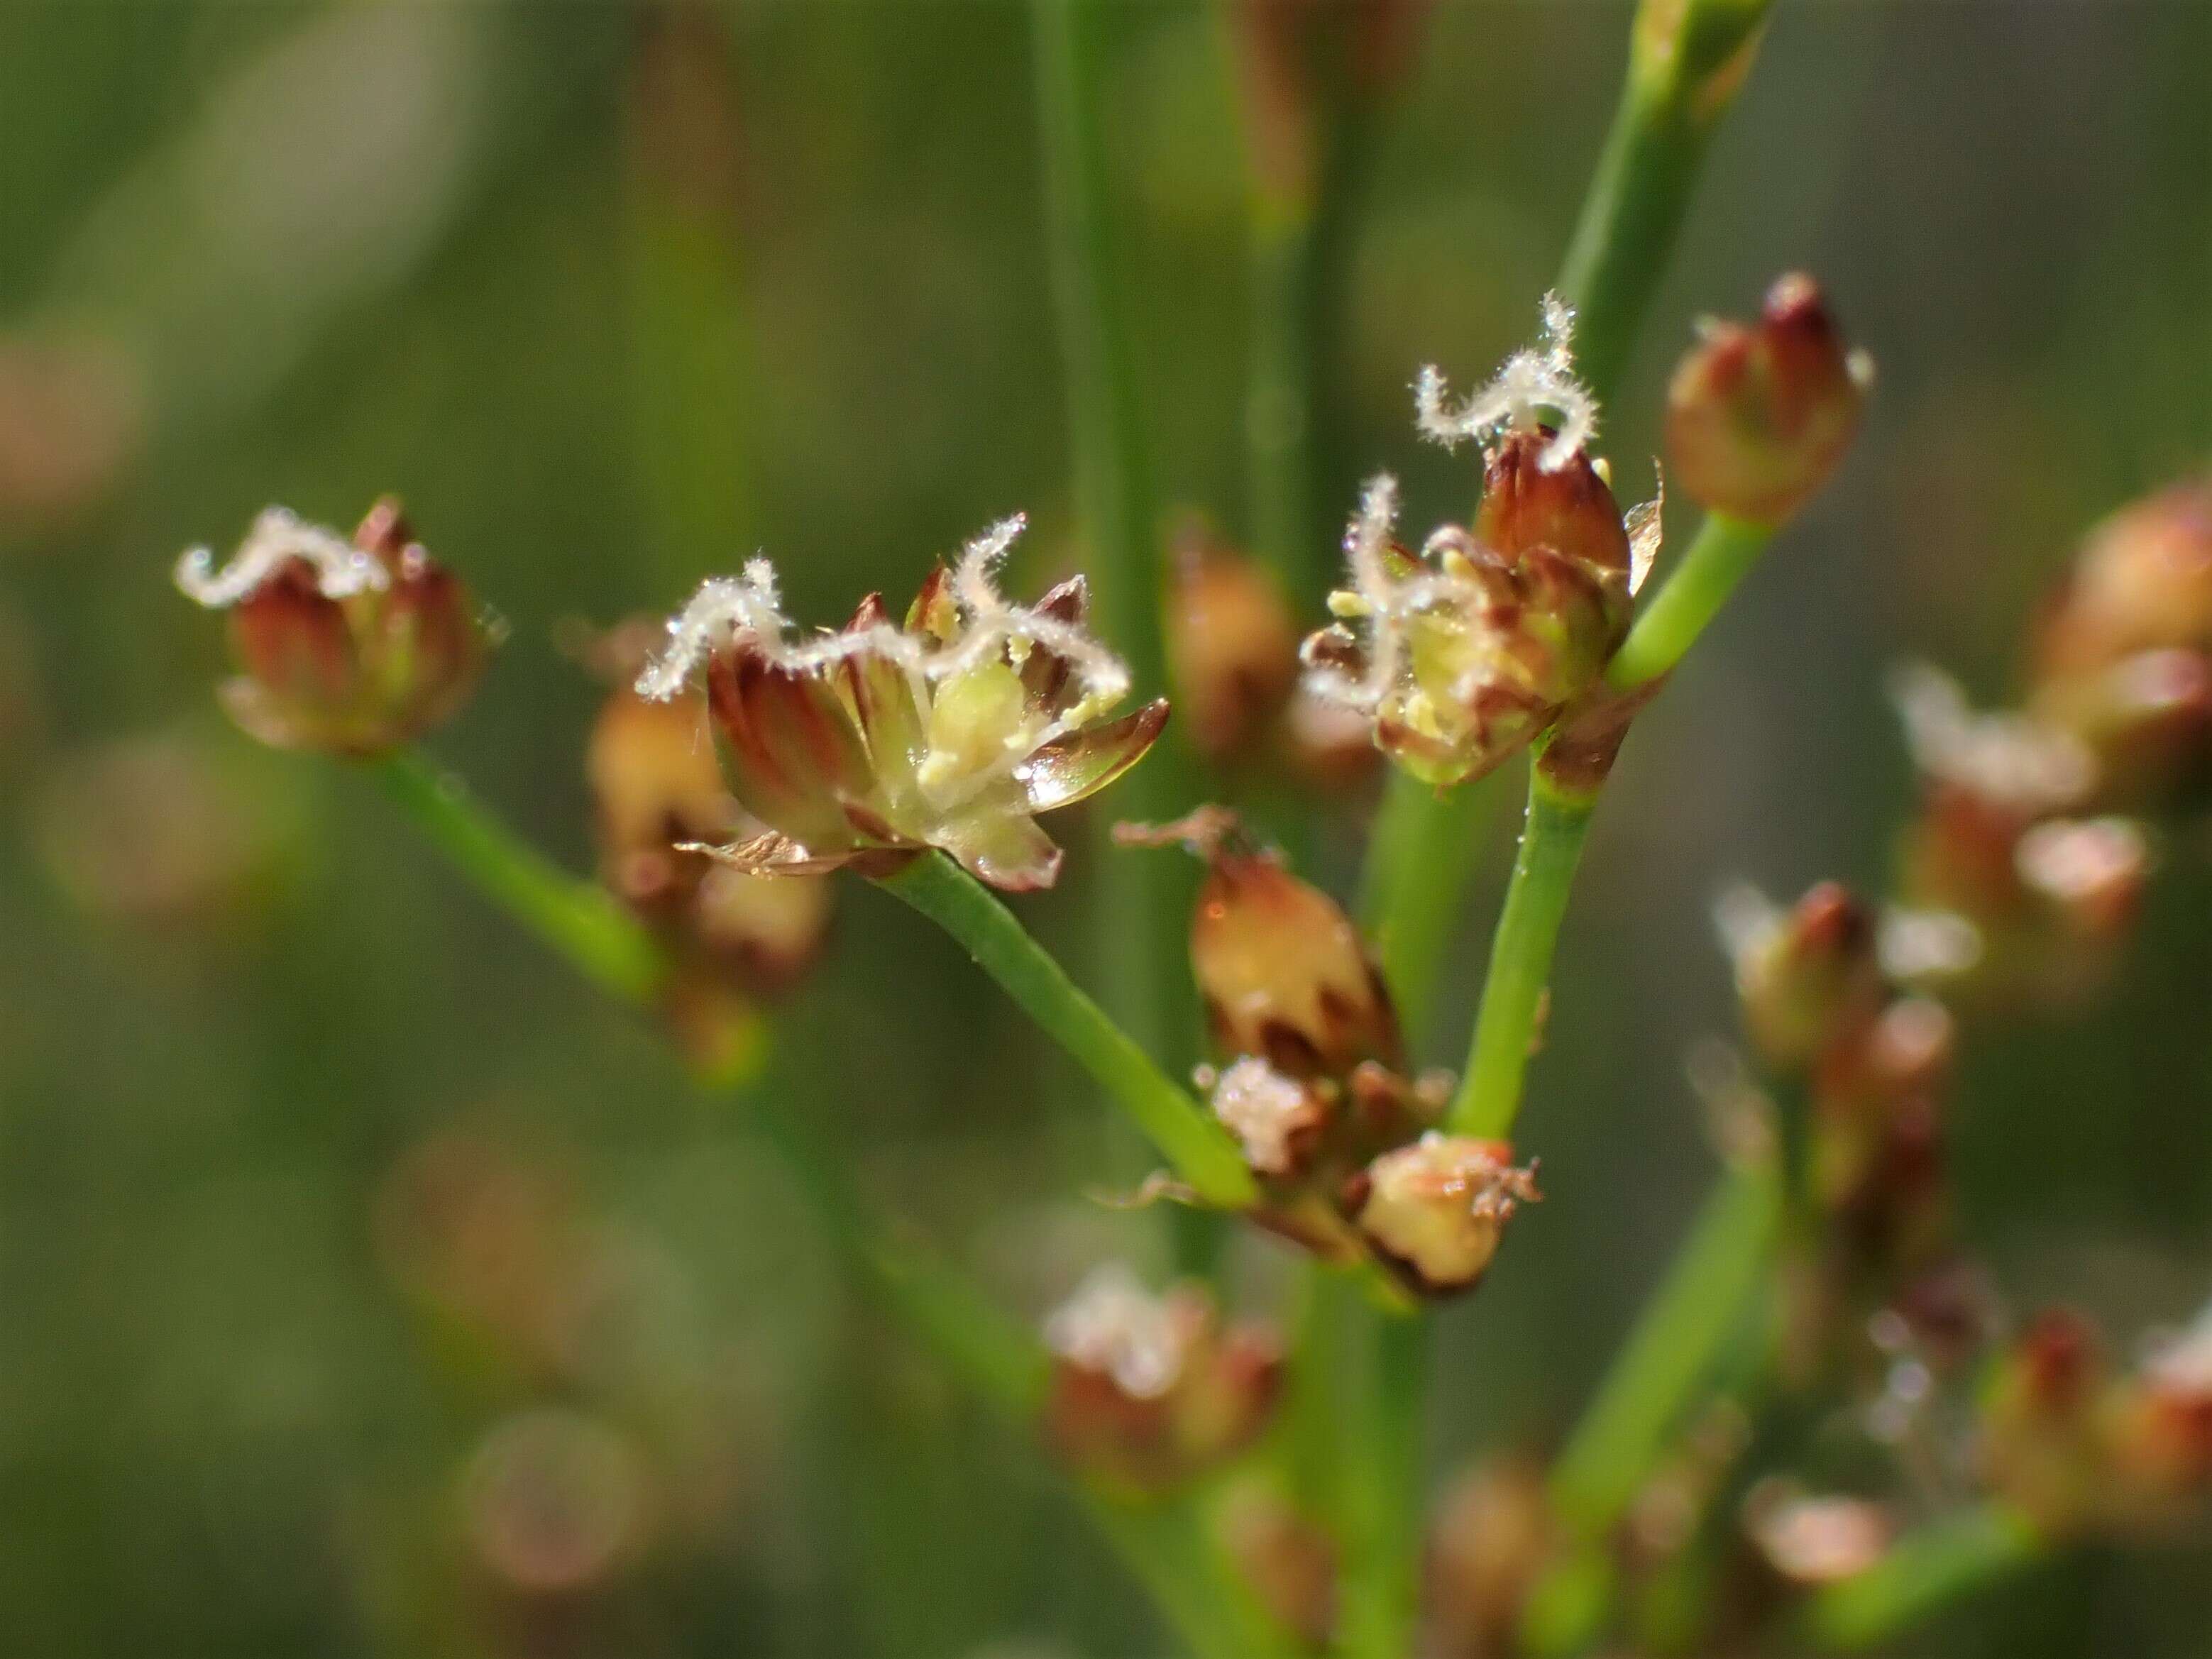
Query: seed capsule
1757 416
1436 1209
353 649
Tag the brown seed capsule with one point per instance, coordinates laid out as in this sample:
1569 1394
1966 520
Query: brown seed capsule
349 649
1232 647
1757 416
1284 973
1809 977
1434 1210
1151 1391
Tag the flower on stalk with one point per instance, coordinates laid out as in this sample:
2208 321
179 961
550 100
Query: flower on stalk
2039 1411
1150 1391
350 647
866 746
1758 415
1478 644
1436 1210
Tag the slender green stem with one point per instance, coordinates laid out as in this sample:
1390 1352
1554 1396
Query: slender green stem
579 919
1382 1509
1200 1151
1506 1028
1678 1339
1923 1572
1144 902
1166 1547
1719 559
581 923
1423 854
1686 59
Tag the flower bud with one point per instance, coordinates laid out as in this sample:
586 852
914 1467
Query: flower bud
352 649
1151 1390
1232 647
1283 971
1492 1539
2039 1418
1809 977
1290 1563
2143 582
1434 1210
1757 416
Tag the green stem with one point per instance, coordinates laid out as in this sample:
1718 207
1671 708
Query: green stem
1923 1572
1382 1512
1200 1151
1719 559
1144 902
1167 1548
583 925
579 919
1423 856
1685 58
1678 1340
1506 1028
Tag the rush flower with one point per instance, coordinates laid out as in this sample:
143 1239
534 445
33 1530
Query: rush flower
352 647
1809 977
1758 415
1152 1390
1436 1209
1478 644
868 745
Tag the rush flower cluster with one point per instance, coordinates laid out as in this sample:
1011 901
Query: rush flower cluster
1312 1084
951 729
1469 650
353 648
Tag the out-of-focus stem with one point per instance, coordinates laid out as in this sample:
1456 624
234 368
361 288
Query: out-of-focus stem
1678 1339
1383 1515
1686 58
1419 834
1719 559
1923 1572
580 920
1302 249
1166 1548
587 927
1198 1148
1508 1024
1143 901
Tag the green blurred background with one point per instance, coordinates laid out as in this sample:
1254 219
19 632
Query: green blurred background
332 1213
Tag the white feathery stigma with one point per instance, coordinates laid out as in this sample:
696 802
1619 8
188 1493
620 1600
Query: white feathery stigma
278 536
748 606
1532 382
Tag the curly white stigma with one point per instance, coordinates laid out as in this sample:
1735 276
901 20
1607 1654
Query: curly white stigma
1114 1325
278 536
748 606
1531 383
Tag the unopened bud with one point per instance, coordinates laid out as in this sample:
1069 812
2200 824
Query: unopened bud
1436 1209
1757 416
1151 1390
1232 647
2143 582
1284 973
349 650
1809 977
2038 1419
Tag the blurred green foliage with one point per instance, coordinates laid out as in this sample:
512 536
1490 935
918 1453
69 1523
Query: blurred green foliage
367 1288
